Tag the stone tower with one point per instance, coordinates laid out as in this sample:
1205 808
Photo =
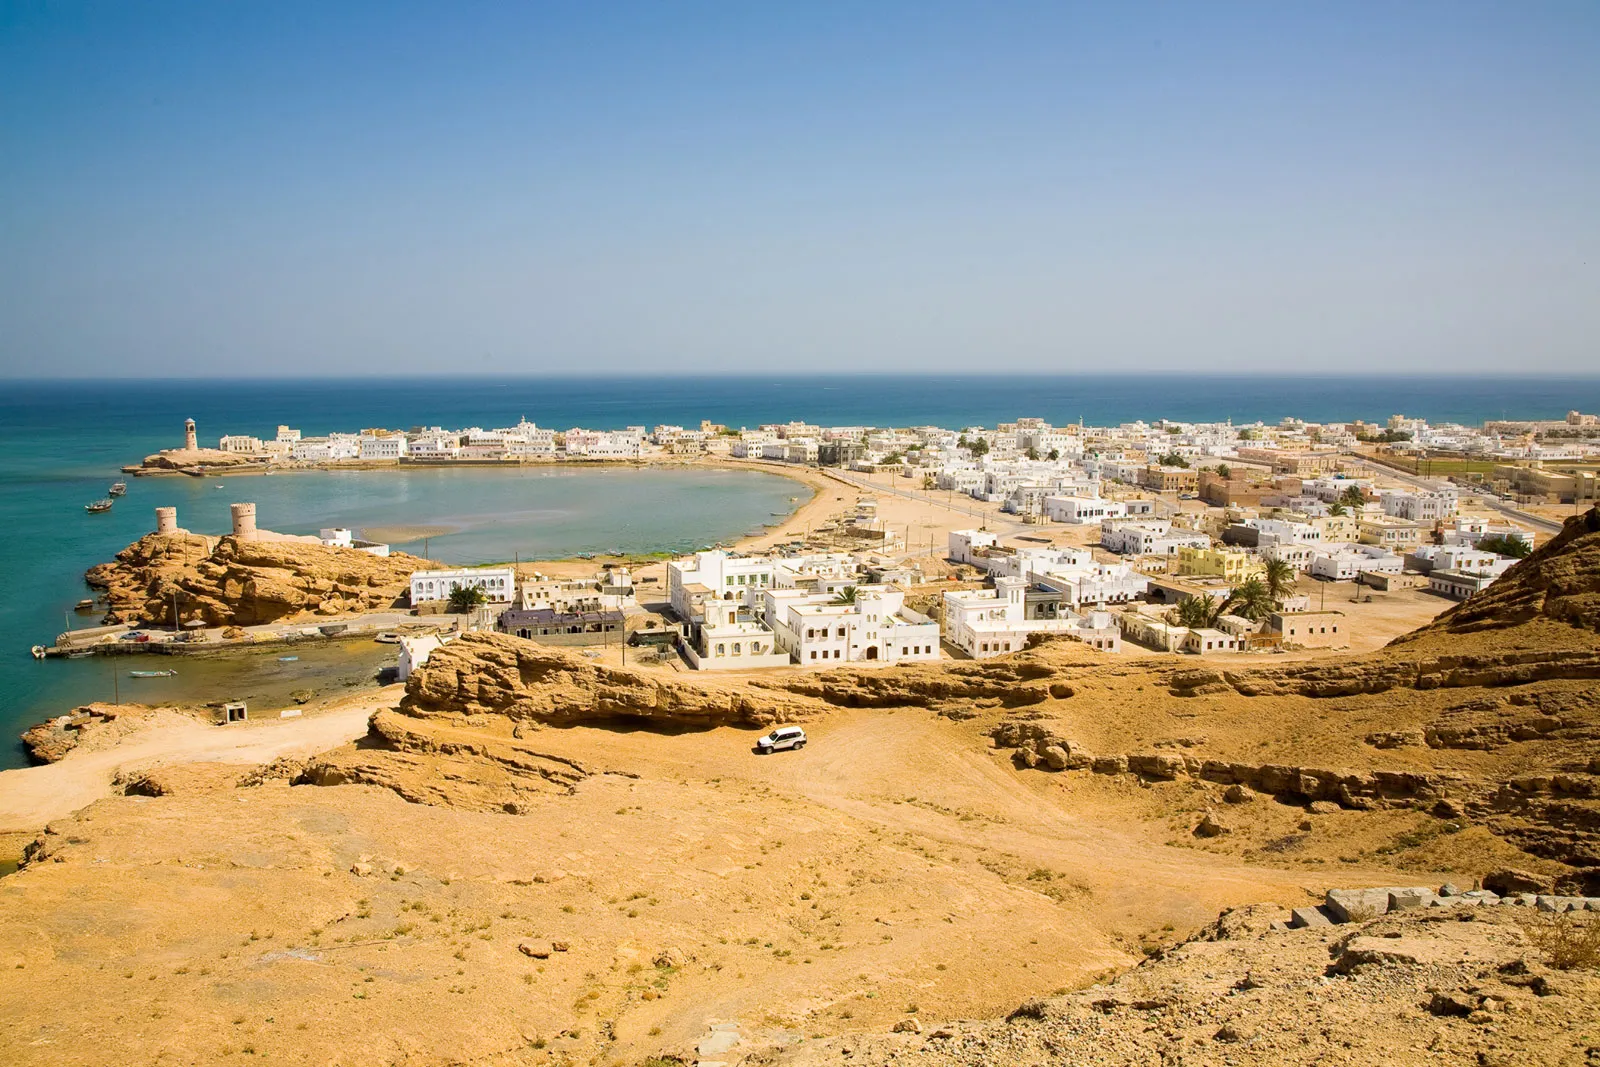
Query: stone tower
188 435
244 521
166 520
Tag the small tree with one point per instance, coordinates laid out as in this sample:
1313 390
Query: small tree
1032 453
463 598
1501 545
929 482
1055 453
1172 459
1224 471
980 447
847 595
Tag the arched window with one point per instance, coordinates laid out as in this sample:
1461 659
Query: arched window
736 648
722 650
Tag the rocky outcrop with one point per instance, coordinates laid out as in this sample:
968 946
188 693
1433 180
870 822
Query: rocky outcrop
195 460
228 582
433 762
52 739
522 680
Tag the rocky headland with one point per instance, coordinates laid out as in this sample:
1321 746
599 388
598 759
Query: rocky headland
231 582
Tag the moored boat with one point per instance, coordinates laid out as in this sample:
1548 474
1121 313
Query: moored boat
118 488
151 674
98 506
84 605
387 638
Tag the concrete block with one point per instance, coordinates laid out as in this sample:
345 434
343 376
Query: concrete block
1349 905
1480 896
1306 918
1410 897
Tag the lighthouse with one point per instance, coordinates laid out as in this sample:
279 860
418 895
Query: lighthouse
188 435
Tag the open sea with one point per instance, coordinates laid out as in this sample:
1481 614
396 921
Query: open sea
61 444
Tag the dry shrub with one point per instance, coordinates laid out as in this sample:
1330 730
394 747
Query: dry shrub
1566 943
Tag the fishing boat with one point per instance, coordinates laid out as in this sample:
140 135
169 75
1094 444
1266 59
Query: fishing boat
118 488
151 674
84 605
98 505
288 659
79 653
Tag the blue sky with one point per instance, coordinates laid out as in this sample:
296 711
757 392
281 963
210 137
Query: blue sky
337 189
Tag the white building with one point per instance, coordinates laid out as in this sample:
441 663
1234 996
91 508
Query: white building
241 445
1426 505
1148 537
339 537
1345 562
383 446
414 652
993 622
869 624
499 584
1079 510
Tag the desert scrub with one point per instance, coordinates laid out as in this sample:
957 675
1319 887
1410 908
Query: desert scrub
1566 943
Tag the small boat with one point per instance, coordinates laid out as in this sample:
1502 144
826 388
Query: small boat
118 488
387 638
288 659
84 605
151 674
38 651
98 506
79 653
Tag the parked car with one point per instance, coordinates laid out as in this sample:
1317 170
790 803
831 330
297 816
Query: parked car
781 738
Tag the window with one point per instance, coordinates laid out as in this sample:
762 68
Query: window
722 650
736 648
813 653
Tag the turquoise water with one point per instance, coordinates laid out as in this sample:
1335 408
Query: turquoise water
62 442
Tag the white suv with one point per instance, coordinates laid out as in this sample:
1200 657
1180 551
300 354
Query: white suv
781 738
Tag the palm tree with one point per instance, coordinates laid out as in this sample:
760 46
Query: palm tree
1353 499
1195 612
1280 579
1338 510
1251 600
847 595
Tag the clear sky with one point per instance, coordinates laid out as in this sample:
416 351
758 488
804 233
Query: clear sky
344 188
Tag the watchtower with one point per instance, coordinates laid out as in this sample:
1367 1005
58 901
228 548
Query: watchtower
166 520
244 521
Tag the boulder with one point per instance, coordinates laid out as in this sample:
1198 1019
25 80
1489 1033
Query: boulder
1510 880
1237 794
908 1026
1210 827
1391 952
539 950
1323 807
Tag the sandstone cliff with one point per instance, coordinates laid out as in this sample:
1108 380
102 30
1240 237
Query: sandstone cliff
228 582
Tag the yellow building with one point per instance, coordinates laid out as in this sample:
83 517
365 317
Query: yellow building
1229 564
1397 535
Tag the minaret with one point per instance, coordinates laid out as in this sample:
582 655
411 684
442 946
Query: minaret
188 435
